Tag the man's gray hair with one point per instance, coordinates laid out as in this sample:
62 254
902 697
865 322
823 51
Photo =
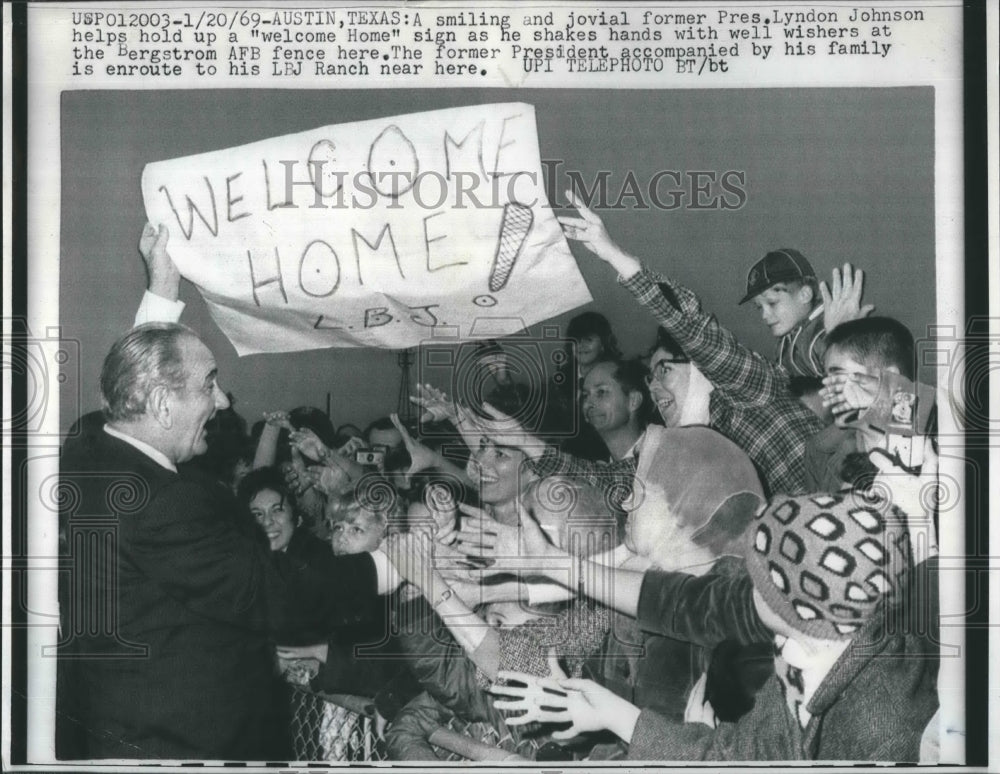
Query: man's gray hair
146 357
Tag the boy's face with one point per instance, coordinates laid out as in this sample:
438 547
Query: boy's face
784 306
355 531
839 362
606 405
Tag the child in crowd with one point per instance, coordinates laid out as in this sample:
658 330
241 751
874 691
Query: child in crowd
861 359
831 581
359 519
363 660
798 309
783 287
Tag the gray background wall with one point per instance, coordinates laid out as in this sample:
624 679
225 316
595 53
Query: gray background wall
840 174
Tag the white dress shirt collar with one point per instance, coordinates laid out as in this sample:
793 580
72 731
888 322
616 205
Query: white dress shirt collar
154 454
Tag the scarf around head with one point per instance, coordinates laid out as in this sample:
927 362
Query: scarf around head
695 493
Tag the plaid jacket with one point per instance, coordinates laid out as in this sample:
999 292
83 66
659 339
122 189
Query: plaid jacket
751 404
615 479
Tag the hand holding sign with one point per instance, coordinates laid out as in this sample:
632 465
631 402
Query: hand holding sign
164 278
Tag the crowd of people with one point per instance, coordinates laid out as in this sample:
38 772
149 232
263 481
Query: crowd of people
695 552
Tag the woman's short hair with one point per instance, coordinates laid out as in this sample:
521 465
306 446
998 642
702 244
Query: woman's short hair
256 481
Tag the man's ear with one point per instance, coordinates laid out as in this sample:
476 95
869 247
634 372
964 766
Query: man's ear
891 369
806 294
159 406
634 401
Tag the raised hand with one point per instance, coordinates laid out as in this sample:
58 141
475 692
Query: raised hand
164 278
842 301
421 457
309 444
589 230
279 420
352 447
437 406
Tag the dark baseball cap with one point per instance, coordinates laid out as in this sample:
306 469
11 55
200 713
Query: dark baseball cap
782 265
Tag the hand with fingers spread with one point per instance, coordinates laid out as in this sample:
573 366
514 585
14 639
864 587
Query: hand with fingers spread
843 393
352 447
437 406
589 230
421 561
842 300
584 704
309 444
480 535
164 277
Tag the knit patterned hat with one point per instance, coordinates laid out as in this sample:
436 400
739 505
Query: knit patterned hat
822 562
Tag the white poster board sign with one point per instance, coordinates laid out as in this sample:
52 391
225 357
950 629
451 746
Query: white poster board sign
370 234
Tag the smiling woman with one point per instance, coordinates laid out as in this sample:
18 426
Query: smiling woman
272 504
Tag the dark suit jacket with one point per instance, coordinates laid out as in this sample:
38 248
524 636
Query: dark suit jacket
167 610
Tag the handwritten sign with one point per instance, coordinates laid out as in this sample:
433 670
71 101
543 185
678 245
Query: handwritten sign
375 233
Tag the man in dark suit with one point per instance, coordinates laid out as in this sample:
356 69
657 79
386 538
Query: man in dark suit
166 611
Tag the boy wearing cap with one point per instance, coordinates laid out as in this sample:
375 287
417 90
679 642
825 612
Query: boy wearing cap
783 287
831 583
750 401
799 310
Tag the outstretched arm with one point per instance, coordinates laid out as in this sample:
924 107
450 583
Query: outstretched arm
745 375
615 478
413 556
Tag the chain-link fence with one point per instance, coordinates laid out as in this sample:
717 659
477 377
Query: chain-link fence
338 727
327 727
467 741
